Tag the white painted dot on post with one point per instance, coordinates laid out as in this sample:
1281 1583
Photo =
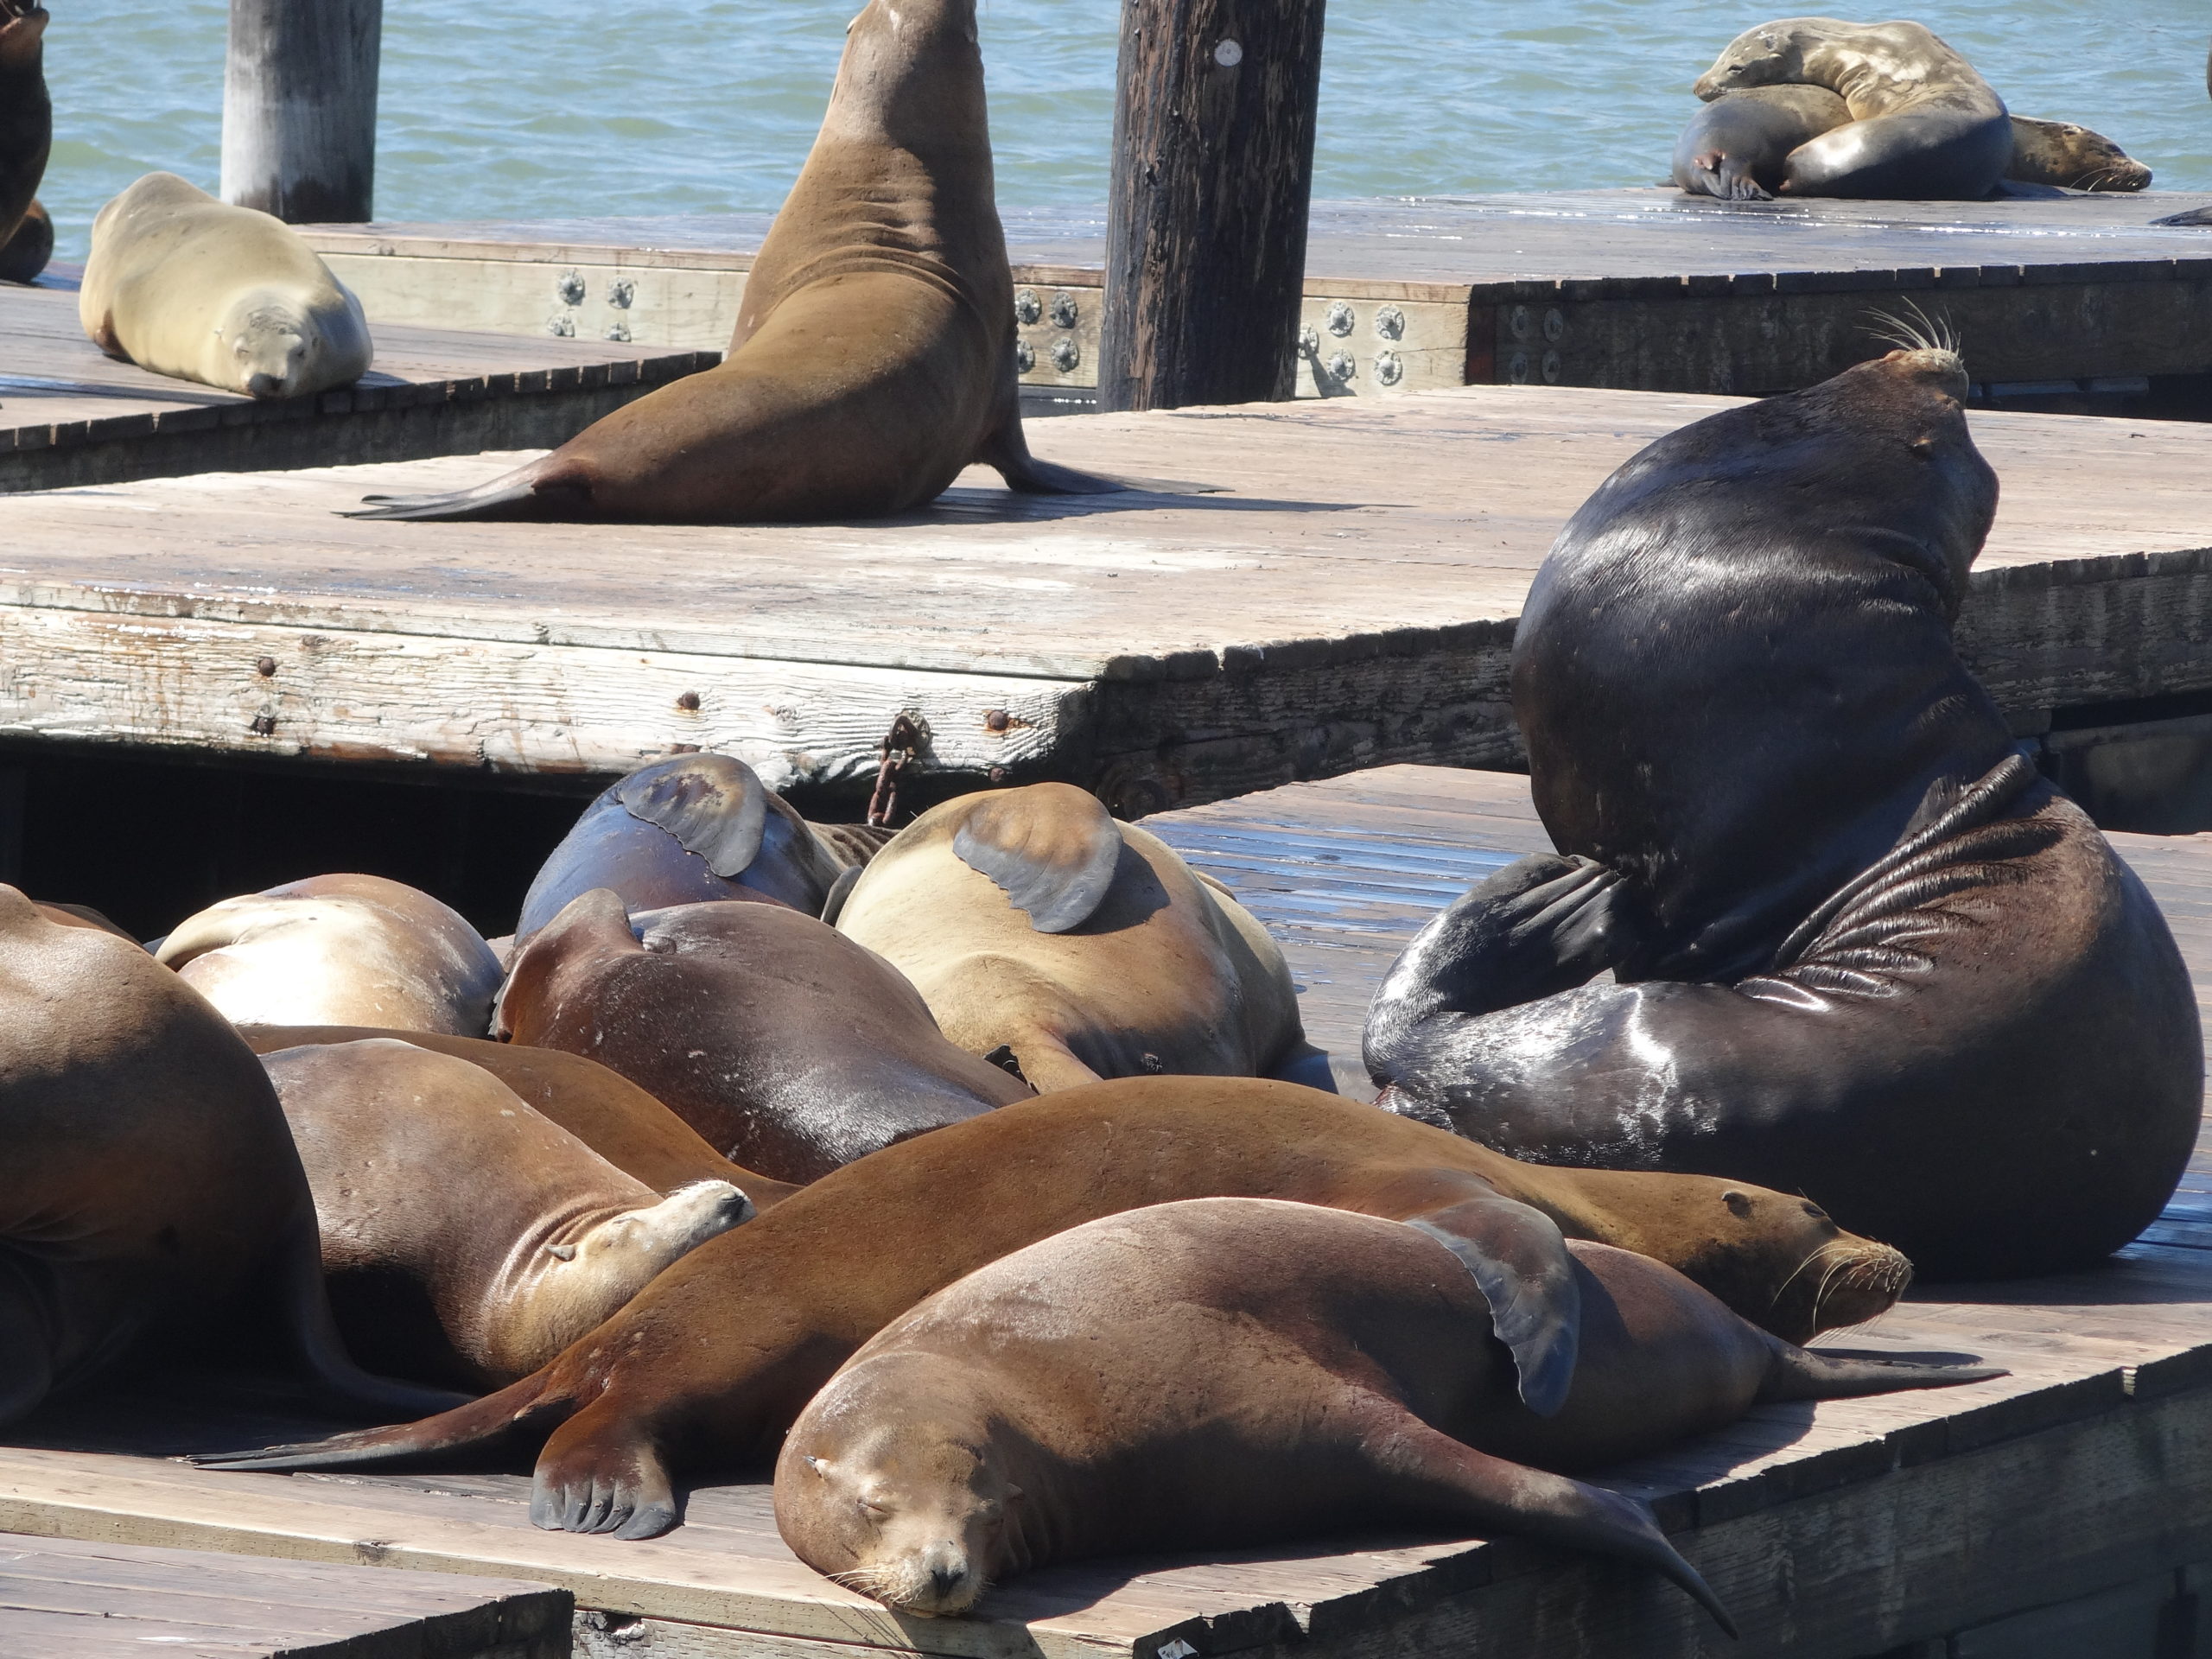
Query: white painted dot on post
1229 54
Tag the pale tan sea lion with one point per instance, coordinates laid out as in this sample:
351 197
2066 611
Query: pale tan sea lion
339 950
466 1237
1226 1372
2072 157
186 285
1030 919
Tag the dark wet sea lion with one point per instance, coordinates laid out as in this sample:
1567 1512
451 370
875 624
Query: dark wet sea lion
466 1238
1228 1372
26 127
1924 124
1030 919
151 1202
1734 147
713 1358
602 1109
25 254
339 950
872 358
1860 951
789 1048
2061 153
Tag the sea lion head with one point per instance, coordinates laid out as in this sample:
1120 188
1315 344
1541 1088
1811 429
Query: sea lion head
1756 1248
271 346
23 25
1770 55
892 1483
913 77
2080 159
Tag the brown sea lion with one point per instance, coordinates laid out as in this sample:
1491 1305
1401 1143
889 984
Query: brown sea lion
339 950
687 829
1031 920
151 1202
25 254
789 1048
602 1109
1735 147
716 1357
80 916
1858 949
872 358
466 1238
2061 153
1227 1372
26 132
1924 125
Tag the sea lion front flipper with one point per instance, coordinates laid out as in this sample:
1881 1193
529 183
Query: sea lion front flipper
715 805
1519 1260
1025 474
1802 1374
1052 849
600 1473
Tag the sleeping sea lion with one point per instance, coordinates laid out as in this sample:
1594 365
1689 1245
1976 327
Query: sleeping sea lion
1227 1372
26 137
716 1357
872 358
1858 950
466 1238
1924 125
186 285
1031 920
339 950
151 1202
789 1048
2073 157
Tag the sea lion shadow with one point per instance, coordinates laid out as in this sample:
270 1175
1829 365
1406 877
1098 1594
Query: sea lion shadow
969 504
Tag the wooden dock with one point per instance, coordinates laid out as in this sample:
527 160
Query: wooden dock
2065 301
71 416
1347 601
2065 1509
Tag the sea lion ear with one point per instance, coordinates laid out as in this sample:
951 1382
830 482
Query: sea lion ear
714 805
820 1465
1520 1262
1051 848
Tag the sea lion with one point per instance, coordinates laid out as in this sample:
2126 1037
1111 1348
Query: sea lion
789 1048
466 1238
1735 146
1228 1372
872 358
2073 157
339 950
686 830
186 285
26 136
1860 951
1031 920
81 916
602 1109
151 1202
25 254
1924 124
712 1360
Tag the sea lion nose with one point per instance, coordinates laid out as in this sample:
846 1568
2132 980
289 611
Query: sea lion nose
946 1577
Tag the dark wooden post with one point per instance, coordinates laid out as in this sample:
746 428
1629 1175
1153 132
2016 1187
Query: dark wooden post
1213 173
300 108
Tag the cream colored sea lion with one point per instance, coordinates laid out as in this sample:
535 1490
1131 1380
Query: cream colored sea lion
2073 157
1031 920
466 1238
339 950
1923 125
26 136
872 358
1226 1372
183 285
151 1202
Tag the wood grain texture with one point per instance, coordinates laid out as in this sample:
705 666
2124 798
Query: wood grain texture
300 108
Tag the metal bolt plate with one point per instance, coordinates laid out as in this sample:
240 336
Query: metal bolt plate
1025 359
620 292
1520 322
1516 369
1063 314
619 331
564 327
1551 368
1065 355
1342 366
1340 319
1554 325
1309 341
1390 323
1388 369
1027 308
570 287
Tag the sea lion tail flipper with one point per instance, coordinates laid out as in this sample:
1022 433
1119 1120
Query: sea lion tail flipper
601 1472
1053 850
1520 1262
1801 1374
337 1380
527 492
480 1425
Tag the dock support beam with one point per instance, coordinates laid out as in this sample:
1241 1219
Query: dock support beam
1213 173
300 108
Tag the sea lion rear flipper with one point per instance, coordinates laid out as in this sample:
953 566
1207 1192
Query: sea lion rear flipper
1802 1374
481 1424
337 1379
1308 1066
526 493
715 805
833 902
1519 1260
1052 849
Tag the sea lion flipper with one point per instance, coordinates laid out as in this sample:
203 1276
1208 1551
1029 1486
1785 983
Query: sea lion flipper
1802 1374
486 1423
526 493
600 1473
714 805
1025 474
1520 1261
337 1379
1052 849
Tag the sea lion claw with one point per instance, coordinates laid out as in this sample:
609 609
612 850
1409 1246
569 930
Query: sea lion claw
1519 1260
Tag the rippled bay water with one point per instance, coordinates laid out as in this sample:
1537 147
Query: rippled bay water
501 109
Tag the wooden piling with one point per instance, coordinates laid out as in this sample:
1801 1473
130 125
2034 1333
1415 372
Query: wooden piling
1213 172
300 108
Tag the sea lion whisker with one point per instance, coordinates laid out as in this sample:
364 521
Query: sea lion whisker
1784 1285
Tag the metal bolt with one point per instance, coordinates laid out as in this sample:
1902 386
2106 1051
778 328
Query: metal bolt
1516 370
1388 369
1342 367
570 287
1519 323
1309 341
266 667
1025 357
264 726
1229 54
1064 310
1339 318
994 719
995 774
564 327
620 292
1065 355
1554 325
1390 323
1027 308
688 701
619 331
1551 368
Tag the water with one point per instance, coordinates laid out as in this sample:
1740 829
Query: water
502 109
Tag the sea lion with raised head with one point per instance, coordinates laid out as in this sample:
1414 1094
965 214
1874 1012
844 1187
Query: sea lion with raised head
789 1048
1858 949
2073 157
1924 125
151 1202
1031 921
872 358
339 950
26 137
1735 147
710 1363
466 1238
1227 1372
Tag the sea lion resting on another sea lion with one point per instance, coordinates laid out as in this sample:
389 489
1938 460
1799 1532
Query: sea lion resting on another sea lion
186 285
1031 920
711 1362
26 137
466 1238
1226 1372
